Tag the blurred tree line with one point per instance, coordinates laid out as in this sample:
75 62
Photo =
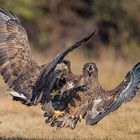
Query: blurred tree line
59 23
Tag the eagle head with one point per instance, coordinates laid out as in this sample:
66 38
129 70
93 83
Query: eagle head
90 69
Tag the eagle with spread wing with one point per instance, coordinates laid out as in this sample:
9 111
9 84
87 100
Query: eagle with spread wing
76 96
93 102
20 71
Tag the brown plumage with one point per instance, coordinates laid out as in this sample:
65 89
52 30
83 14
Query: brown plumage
42 87
40 84
66 82
95 103
70 79
17 66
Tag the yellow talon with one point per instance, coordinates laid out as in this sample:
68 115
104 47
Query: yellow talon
54 94
57 114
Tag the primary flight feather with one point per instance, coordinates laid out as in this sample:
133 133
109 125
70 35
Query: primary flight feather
19 70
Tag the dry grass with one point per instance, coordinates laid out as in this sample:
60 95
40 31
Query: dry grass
124 124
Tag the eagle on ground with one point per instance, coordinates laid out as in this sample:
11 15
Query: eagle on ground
92 102
19 69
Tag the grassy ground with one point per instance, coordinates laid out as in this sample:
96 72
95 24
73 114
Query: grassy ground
27 122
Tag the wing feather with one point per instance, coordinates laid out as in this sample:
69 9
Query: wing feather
40 84
16 61
125 92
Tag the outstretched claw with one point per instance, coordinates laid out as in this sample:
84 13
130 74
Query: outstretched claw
65 121
53 118
47 117
58 114
69 121
60 119
54 94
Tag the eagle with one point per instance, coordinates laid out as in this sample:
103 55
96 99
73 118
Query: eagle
65 97
19 69
93 102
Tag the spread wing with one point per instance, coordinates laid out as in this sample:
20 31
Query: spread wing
124 93
17 66
42 81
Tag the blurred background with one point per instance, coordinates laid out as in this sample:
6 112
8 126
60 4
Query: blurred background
55 24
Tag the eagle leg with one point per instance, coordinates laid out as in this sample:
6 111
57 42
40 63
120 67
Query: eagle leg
54 94
70 122
58 114
65 121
